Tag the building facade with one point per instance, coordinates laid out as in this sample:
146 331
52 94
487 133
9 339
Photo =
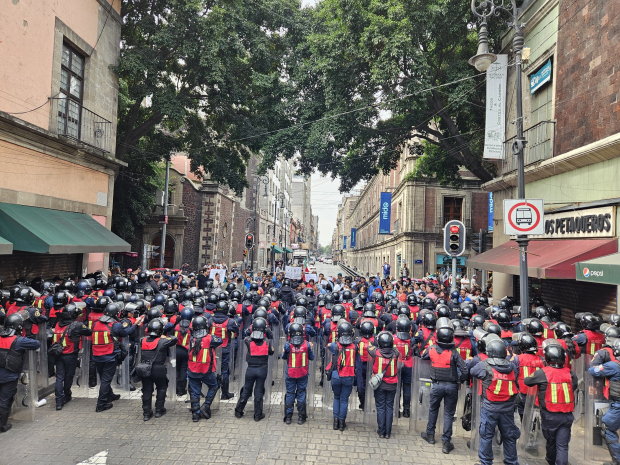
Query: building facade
572 129
419 210
58 117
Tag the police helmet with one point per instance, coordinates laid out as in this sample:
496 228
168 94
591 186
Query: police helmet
554 353
535 327
299 314
329 301
60 299
296 334
496 348
445 335
562 330
483 300
155 328
503 319
527 343
477 321
25 296
221 307
254 286
412 300
302 301
260 312
338 313
541 312
555 313
403 328
236 295
428 303
200 326
120 297
154 312
184 284
263 303
429 320
68 285
358 304
112 310
493 328
110 293
443 311
454 295
441 300
367 329
336 296
259 328
403 310
345 333
467 312
385 340
230 287
370 311
377 297
309 292
363 296
13 324
171 307
347 295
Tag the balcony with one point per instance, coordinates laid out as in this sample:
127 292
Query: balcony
539 146
73 121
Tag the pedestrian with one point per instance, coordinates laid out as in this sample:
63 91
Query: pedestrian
202 366
343 368
68 335
499 388
154 354
13 347
385 360
297 352
258 349
107 353
448 370
556 397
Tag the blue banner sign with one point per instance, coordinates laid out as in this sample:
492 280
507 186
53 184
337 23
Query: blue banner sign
540 78
353 234
344 242
490 225
385 213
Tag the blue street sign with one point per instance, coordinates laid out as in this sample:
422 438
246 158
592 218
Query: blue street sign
385 213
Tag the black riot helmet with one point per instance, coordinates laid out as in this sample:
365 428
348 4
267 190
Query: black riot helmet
458 324
184 284
588 321
554 353
541 312
69 286
403 309
160 299
212 298
120 297
100 284
198 293
254 287
367 329
527 343
477 321
363 296
84 287
142 277
428 303
347 295
230 287
535 327
101 303
47 288
154 312
302 301
112 310
377 297
25 296
487 337
336 296
467 312
612 319
259 328
443 311
493 329
247 297
299 314
445 335
309 292
385 340
555 313
286 282
345 333
148 293
260 312
403 328
111 293
171 307
200 326
358 304
263 303
221 307
610 331
412 300
441 300
429 320
60 299
503 319
615 346
208 284
496 348
562 330
296 334
483 301
370 311
223 295
120 285
393 305
13 324
338 313
329 301
236 295
155 328
187 296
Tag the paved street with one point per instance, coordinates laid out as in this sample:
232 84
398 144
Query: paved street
328 270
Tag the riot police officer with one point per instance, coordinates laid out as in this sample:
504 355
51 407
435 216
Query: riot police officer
183 334
297 352
385 360
12 350
224 327
258 349
363 343
155 352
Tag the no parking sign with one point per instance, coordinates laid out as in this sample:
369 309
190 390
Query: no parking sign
524 217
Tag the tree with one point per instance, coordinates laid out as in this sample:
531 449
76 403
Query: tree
197 76
369 75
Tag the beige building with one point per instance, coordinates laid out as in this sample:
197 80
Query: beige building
58 116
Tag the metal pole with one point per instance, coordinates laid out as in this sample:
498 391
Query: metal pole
273 252
145 249
522 240
254 225
453 274
163 228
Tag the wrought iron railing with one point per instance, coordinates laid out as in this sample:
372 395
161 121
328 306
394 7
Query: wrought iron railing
538 147
74 121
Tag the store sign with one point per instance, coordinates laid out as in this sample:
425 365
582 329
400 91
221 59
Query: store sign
495 122
589 223
490 215
385 213
344 242
447 260
540 78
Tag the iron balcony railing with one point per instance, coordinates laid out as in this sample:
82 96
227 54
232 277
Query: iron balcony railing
538 147
74 121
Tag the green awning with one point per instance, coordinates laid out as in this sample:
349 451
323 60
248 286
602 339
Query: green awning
604 270
276 249
42 230
6 247
287 250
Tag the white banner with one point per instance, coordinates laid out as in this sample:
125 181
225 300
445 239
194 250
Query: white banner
292 272
220 271
495 124
310 276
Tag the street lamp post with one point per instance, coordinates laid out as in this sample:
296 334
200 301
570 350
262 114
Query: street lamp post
257 182
483 9
279 196
287 218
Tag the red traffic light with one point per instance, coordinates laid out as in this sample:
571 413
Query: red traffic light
250 238
454 229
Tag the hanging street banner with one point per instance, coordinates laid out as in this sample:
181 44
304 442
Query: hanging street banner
385 213
344 242
495 124
353 234
490 216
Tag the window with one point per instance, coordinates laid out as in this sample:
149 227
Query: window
542 104
71 90
452 208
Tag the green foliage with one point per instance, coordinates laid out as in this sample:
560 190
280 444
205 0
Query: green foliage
197 76
325 249
358 89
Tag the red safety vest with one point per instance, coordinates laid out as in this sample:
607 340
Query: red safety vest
182 341
202 362
391 373
221 330
325 314
539 341
440 360
346 360
506 334
404 348
68 347
413 312
363 345
482 358
595 341
239 309
528 364
463 346
548 333
275 304
298 361
333 332
502 387
559 396
259 350
93 317
428 335
14 308
348 307
103 343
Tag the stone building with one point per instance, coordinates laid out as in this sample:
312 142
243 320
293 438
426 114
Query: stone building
58 116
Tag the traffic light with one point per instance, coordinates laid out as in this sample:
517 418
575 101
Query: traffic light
480 240
245 252
454 238
249 241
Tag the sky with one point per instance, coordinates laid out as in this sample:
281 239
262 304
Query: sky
325 199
